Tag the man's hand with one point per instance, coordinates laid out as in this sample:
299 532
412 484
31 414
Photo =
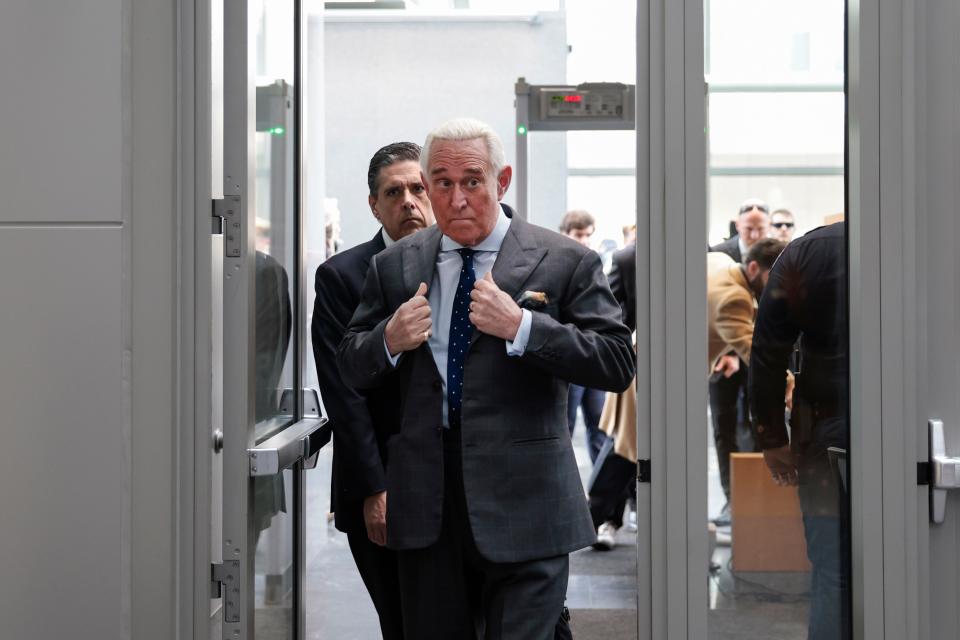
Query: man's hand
728 365
492 311
375 517
410 326
782 465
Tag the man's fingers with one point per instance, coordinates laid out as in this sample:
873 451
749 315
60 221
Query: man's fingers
488 277
421 290
420 313
417 302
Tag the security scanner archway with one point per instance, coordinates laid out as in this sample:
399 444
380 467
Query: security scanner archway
591 106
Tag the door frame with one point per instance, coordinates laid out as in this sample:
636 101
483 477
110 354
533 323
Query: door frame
671 391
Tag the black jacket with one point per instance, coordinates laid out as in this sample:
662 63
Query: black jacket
623 283
805 298
360 421
731 247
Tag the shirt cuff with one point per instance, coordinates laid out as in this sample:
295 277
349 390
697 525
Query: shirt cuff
393 360
518 345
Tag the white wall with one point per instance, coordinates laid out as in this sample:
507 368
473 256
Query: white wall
389 81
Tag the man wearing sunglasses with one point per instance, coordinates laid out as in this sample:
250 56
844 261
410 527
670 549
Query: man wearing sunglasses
782 226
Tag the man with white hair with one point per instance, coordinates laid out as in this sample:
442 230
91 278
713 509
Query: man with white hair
479 324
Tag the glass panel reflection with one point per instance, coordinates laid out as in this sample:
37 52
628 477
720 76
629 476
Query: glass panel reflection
777 333
274 568
274 215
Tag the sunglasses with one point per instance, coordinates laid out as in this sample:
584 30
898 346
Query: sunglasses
751 207
783 225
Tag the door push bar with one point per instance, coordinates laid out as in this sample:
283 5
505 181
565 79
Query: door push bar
944 472
300 441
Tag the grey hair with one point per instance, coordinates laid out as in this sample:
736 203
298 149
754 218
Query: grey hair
466 129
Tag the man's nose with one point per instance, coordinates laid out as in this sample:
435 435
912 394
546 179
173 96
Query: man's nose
408 200
459 197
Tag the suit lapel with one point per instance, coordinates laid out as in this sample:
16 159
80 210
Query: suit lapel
519 255
420 259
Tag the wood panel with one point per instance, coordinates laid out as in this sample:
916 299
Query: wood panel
767 529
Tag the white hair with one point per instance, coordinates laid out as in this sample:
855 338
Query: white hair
466 129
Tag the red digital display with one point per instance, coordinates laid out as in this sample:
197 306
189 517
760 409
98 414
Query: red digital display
572 98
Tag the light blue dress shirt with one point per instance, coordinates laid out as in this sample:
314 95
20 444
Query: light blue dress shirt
444 288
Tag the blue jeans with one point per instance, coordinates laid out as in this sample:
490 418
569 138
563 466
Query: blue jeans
591 400
828 537
829 583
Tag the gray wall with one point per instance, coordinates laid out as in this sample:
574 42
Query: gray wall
88 256
388 81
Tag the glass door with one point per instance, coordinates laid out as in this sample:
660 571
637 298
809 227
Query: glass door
743 337
272 426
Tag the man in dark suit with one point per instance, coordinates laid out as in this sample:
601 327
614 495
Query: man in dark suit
484 496
362 422
728 391
623 282
753 224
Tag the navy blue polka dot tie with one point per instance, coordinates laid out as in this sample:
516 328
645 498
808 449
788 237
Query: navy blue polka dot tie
459 342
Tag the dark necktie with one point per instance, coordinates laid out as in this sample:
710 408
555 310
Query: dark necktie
460 332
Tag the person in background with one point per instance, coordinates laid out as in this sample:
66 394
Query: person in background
732 292
728 395
752 224
612 483
580 225
782 225
361 421
806 299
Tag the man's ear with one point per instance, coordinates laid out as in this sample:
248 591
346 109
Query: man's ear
372 201
753 270
503 181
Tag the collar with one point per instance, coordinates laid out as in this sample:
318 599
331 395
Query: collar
743 248
387 240
491 243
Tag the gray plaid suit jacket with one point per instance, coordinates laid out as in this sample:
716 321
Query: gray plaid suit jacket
523 492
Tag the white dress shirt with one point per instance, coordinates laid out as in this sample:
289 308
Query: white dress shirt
444 288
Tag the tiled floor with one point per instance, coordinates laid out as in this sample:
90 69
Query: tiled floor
601 592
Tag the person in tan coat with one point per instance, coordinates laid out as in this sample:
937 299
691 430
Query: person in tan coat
732 292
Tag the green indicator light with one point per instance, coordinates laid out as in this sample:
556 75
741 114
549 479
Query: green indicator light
277 131
522 130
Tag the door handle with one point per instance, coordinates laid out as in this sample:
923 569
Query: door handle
299 441
944 472
276 453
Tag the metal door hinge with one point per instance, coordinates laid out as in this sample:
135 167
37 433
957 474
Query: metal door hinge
225 583
226 220
643 471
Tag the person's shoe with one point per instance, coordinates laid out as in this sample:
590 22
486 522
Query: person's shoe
606 537
723 518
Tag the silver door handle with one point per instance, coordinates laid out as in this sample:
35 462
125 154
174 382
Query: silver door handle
278 452
944 472
300 440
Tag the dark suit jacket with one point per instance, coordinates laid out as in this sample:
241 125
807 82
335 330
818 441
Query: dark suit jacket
360 422
731 247
623 282
522 488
